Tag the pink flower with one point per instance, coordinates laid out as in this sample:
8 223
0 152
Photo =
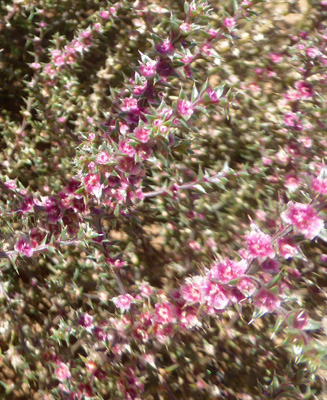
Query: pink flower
304 217
104 14
165 67
215 295
304 88
126 148
185 108
11 184
259 71
267 161
194 245
254 87
246 286
192 289
259 245
139 89
292 182
145 290
123 302
312 52
229 23
227 270
282 157
187 59
271 265
62 372
266 300
165 47
35 66
23 246
62 120
185 28
164 313
213 95
142 134
292 95
207 49
275 57
261 215
86 321
103 158
189 318
130 104
92 183
91 166
319 185
306 141
292 120
148 69
287 248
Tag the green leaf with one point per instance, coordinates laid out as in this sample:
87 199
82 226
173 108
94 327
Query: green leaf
200 188
116 211
195 94
235 4
278 324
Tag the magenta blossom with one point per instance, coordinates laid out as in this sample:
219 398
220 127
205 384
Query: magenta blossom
142 134
259 245
185 28
86 321
246 286
304 218
229 23
148 69
312 52
164 313
103 158
287 248
130 104
23 246
275 57
319 185
123 302
165 47
62 372
292 182
92 184
192 289
266 300
227 270
185 108
215 295
292 120
305 89
104 14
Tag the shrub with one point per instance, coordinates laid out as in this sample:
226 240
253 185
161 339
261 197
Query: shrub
163 199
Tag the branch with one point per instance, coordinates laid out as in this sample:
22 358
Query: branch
192 185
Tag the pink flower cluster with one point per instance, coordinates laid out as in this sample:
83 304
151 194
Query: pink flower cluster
304 218
25 246
259 244
185 108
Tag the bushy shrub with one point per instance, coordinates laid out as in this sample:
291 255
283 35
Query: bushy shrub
163 199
